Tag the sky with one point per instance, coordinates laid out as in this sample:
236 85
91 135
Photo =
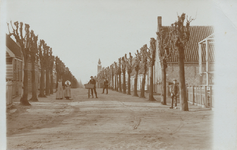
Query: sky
81 32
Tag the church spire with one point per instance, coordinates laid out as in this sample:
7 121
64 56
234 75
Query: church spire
99 62
99 66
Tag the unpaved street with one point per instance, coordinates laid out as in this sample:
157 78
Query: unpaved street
113 121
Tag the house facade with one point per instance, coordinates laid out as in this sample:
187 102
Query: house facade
14 66
191 62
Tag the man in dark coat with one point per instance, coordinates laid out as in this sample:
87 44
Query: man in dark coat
92 81
106 83
174 92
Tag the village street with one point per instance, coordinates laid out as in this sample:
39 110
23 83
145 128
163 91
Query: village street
113 121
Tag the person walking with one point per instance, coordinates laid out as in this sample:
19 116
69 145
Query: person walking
92 81
59 86
174 92
106 83
67 89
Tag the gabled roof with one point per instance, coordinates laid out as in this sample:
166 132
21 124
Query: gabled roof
197 33
9 53
14 47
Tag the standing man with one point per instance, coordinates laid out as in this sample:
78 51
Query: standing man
174 92
106 82
92 81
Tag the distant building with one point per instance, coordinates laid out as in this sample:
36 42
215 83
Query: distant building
99 81
14 65
99 66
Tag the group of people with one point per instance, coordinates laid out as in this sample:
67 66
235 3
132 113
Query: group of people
63 89
173 90
93 90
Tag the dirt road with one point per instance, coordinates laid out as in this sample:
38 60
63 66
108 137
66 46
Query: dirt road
113 121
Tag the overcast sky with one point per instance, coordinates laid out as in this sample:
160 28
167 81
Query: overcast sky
82 31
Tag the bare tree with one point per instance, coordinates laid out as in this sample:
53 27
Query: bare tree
129 71
47 90
42 65
116 76
178 38
107 73
136 67
112 75
59 68
33 54
51 67
144 69
24 42
124 73
164 54
151 57
119 73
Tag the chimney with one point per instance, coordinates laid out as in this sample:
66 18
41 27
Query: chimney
159 18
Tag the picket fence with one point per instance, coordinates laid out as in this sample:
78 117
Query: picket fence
201 96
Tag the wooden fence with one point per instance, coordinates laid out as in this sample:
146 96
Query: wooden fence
200 96
9 100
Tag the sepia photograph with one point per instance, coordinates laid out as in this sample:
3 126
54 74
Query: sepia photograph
127 75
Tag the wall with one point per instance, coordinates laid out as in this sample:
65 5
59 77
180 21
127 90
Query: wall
192 76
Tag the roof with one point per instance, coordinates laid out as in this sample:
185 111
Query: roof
197 33
9 53
14 47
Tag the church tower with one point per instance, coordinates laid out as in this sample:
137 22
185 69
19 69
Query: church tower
99 66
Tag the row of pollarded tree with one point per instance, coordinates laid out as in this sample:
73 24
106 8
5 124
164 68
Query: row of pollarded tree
170 41
143 61
34 52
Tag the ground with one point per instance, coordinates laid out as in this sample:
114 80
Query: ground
113 121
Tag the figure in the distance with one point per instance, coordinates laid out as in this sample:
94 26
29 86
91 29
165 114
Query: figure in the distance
174 93
92 81
59 86
106 83
67 89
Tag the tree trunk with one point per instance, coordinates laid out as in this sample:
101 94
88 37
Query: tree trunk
142 95
116 82
24 98
182 89
120 88
34 90
135 84
51 85
42 83
151 97
47 82
57 77
124 82
129 92
112 82
163 94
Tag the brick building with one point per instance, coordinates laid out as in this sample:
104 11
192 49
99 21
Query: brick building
192 73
